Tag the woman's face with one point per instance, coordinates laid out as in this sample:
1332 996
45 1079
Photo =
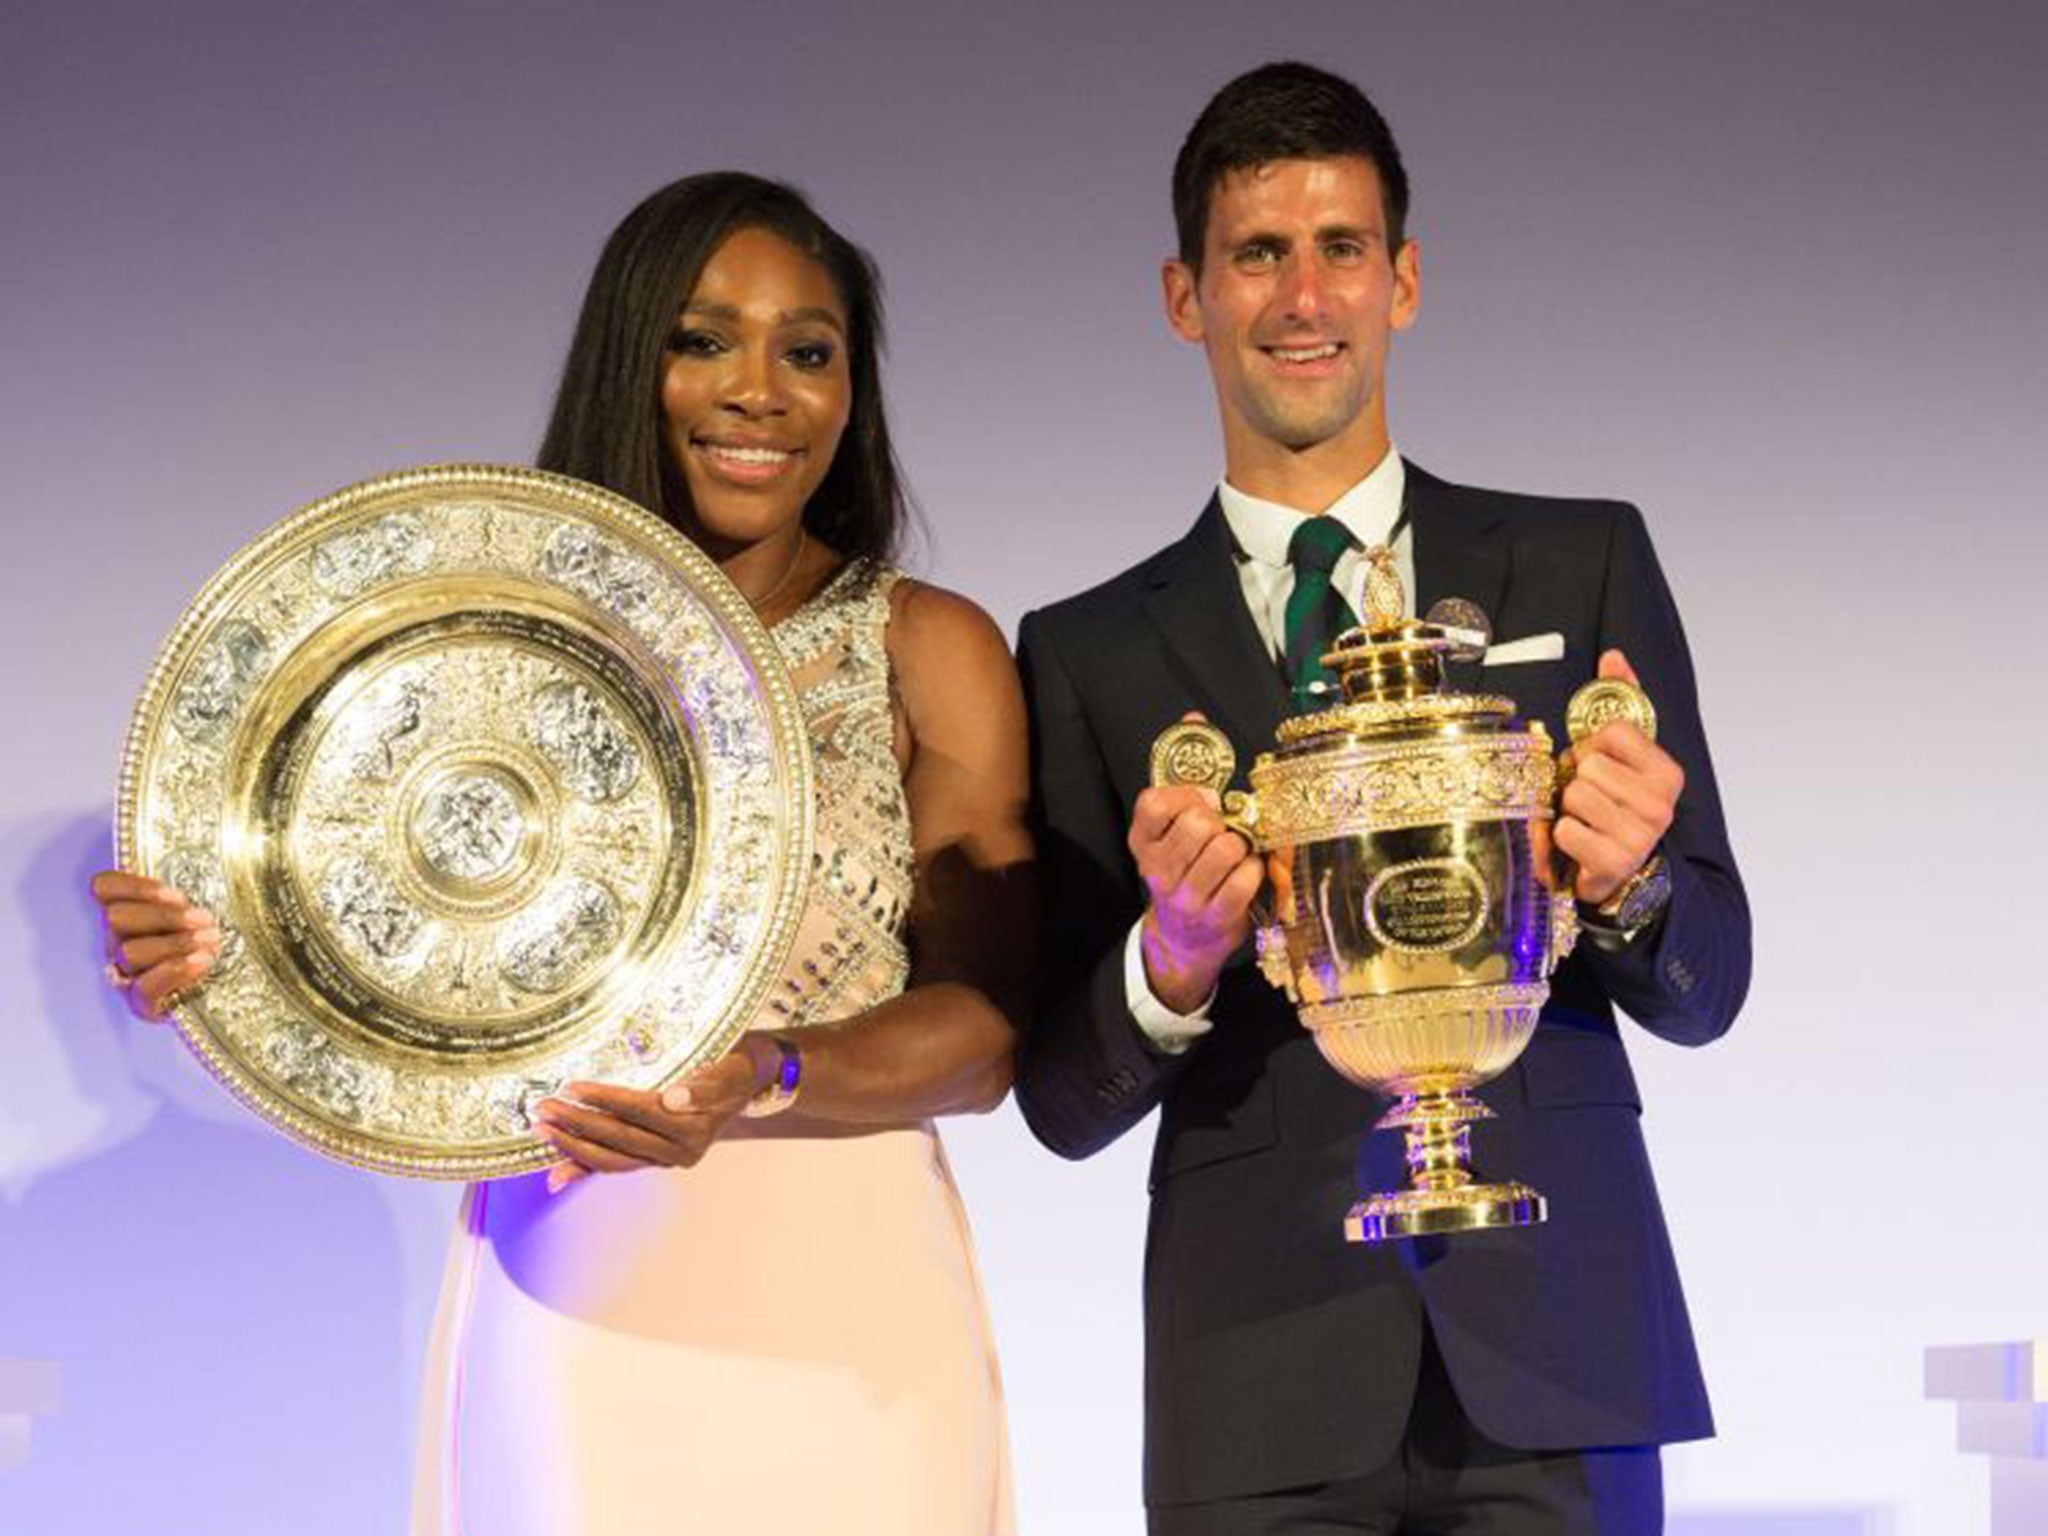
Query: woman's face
755 388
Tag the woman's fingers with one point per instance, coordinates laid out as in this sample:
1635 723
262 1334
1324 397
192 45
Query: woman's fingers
138 919
562 1175
112 885
594 1156
155 989
599 1128
721 1088
136 956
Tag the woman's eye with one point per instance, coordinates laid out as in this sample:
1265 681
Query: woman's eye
811 354
694 343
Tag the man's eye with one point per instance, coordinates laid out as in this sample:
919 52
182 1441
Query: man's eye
1257 255
694 343
812 355
1345 250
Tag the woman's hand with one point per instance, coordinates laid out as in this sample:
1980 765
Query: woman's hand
158 942
603 1129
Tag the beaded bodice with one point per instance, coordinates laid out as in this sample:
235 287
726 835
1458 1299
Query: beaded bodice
850 951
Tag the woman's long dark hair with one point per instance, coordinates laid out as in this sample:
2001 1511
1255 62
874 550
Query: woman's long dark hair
606 424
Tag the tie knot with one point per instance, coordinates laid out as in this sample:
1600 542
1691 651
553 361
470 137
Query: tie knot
1318 544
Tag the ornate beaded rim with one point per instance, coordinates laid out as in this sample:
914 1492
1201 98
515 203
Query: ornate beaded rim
768 801
1377 714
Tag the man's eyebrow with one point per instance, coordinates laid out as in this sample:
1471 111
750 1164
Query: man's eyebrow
730 313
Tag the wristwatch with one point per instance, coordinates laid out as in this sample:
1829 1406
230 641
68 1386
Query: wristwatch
1635 904
780 1093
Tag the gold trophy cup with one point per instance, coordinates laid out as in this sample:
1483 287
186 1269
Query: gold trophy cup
1417 906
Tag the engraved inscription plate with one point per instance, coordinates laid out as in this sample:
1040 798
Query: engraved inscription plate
495 782
1427 906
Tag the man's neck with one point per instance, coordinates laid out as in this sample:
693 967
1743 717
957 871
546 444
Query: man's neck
1309 480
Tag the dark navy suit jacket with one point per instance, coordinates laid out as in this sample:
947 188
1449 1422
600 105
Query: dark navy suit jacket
1277 1354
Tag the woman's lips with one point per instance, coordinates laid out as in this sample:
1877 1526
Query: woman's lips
745 463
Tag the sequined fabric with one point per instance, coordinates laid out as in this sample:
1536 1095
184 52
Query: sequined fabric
849 952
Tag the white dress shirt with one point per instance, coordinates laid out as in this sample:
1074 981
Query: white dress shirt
1261 531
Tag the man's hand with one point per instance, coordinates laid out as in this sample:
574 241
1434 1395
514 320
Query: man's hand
1201 877
1624 789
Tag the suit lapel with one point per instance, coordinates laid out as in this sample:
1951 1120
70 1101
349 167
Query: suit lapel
1197 604
1462 548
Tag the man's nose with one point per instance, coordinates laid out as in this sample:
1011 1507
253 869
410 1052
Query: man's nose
1301 289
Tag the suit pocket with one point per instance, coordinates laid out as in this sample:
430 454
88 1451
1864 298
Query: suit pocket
1215 1122
1565 1066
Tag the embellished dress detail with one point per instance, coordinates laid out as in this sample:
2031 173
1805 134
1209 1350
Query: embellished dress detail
789 1337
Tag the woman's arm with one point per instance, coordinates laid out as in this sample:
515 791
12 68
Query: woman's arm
945 1045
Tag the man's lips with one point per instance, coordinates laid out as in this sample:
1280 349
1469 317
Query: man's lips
1303 359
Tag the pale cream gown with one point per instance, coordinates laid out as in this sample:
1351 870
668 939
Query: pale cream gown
789 1337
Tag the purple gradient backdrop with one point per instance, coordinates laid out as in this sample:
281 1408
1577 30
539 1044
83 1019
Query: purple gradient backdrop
1770 270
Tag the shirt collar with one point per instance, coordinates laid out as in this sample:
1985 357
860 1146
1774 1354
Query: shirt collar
1369 509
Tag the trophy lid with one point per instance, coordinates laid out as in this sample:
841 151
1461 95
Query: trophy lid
1390 669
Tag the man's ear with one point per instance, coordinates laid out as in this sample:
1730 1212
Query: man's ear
1178 287
1407 285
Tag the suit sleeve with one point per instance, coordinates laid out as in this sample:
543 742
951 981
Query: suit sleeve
1684 981
1085 1073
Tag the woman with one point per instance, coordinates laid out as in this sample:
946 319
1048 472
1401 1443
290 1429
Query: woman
774 1323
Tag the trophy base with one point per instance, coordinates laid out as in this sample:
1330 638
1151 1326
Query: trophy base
1428 1212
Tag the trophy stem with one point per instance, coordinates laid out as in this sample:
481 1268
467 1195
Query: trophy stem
1442 1195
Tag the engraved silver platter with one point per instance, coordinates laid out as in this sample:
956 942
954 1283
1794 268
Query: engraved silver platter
494 782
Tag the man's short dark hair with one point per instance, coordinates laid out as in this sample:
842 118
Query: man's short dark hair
1282 112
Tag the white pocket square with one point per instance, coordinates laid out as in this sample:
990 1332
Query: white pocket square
1548 647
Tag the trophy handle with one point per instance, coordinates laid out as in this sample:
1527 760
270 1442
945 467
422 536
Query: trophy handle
1196 752
1598 703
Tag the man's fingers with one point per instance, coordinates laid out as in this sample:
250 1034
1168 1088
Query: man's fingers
1234 897
1212 866
1648 783
1624 742
1645 796
1600 858
1615 664
1159 809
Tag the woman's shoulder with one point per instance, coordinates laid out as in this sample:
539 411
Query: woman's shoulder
924 617
940 640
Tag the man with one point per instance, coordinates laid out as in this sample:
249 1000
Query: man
1515 1380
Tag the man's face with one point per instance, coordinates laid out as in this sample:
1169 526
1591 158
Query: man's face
1297 297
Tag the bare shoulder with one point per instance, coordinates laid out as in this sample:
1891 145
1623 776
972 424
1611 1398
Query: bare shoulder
939 640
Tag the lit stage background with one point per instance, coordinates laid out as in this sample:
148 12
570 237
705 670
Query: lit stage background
1773 271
